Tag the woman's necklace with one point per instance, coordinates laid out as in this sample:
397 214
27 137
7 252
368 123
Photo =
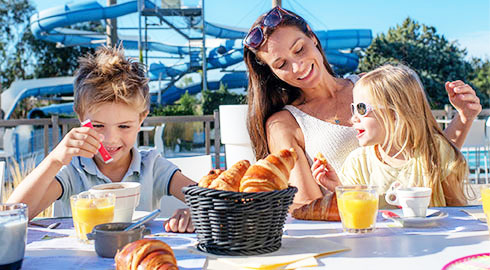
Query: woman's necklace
335 119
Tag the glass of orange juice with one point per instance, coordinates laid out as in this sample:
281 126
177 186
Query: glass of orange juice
485 198
89 210
358 208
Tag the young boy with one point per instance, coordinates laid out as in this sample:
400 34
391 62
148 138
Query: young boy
112 91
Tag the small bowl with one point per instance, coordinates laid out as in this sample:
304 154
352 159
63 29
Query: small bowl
111 237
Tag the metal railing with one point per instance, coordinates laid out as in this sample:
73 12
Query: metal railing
55 128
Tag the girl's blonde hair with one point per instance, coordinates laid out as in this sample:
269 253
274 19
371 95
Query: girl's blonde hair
408 119
108 76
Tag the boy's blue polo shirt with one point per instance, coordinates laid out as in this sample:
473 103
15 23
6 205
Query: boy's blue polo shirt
147 167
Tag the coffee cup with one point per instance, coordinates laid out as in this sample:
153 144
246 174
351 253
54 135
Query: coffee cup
413 200
127 198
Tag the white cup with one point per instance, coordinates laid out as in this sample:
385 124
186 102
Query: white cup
413 200
127 198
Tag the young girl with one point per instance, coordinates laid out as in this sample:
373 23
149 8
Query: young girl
401 140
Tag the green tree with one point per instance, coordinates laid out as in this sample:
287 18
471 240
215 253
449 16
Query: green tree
186 105
435 59
482 77
212 99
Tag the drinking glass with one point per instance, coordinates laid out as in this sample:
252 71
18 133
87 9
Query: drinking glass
358 208
13 235
485 198
89 210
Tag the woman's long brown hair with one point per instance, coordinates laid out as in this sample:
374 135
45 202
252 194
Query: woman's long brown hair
267 94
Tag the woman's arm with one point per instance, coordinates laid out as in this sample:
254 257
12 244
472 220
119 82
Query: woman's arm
464 99
283 132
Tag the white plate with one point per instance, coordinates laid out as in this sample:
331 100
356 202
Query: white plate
139 214
418 221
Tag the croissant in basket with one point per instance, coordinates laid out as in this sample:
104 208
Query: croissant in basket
146 254
209 178
324 208
271 173
229 180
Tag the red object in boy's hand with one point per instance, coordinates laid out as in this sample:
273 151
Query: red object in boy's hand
103 152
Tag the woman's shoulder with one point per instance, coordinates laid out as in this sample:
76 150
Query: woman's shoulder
281 119
282 126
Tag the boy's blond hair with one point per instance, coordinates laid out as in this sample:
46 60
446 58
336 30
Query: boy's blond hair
108 76
409 123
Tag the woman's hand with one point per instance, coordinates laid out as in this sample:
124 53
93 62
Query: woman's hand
180 222
325 175
464 99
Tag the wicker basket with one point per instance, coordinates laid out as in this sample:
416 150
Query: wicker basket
238 223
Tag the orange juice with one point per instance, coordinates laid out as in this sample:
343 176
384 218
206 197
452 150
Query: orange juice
358 210
485 198
88 211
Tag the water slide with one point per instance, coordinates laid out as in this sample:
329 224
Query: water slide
48 25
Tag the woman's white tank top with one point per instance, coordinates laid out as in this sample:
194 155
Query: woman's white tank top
335 142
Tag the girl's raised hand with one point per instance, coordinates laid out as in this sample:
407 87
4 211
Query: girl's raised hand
464 99
180 222
325 174
81 141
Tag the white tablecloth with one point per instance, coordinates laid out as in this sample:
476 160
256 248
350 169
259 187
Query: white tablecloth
388 247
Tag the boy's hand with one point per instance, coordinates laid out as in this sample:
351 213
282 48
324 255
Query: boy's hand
464 99
81 141
180 222
325 174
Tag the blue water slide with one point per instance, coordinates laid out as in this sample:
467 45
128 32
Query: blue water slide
31 88
173 93
48 25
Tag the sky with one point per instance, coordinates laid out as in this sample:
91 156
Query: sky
467 22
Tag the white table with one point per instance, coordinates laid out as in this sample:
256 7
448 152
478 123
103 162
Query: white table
389 247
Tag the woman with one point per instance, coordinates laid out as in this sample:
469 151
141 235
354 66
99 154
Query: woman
296 100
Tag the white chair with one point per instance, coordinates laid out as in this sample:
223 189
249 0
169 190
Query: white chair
8 150
2 179
193 167
158 139
475 149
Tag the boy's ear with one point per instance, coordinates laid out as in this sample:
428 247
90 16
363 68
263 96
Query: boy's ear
143 116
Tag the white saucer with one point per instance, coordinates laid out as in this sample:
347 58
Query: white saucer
418 221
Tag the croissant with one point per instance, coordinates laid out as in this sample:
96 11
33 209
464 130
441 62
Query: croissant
324 208
230 179
207 179
321 158
146 254
271 173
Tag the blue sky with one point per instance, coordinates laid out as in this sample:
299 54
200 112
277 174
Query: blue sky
467 22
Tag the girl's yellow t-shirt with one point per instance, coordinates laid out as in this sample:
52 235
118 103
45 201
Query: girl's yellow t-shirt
362 167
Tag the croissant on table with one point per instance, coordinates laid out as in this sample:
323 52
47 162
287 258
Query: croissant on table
271 173
229 180
146 254
324 208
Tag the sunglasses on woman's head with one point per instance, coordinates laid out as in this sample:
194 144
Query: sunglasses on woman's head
273 18
361 108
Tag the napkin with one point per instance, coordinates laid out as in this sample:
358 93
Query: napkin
476 213
293 249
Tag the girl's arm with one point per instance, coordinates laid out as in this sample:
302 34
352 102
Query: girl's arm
40 189
464 99
283 132
453 192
